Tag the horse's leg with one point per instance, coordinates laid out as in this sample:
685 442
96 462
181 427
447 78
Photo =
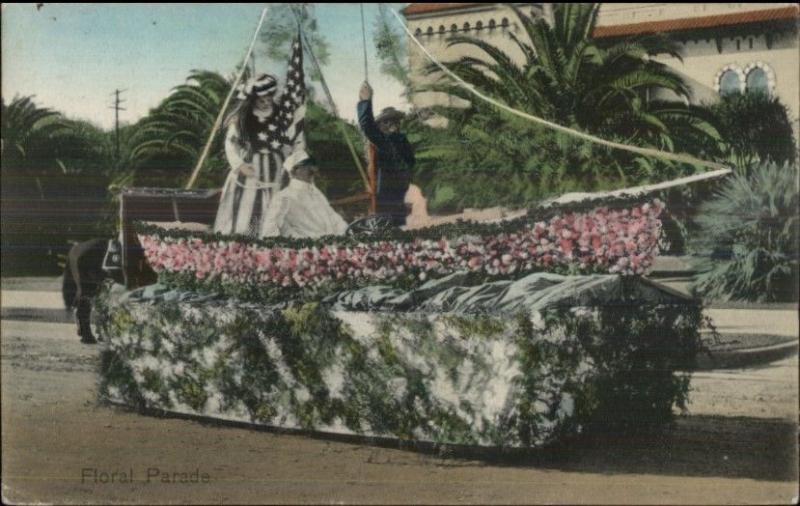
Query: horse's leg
90 288
84 312
72 265
94 275
88 264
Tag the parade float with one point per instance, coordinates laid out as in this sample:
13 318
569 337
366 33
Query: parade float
515 333
511 334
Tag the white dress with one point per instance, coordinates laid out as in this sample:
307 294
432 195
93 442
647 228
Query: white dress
245 200
301 210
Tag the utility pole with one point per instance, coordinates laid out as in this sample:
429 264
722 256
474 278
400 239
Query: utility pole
117 108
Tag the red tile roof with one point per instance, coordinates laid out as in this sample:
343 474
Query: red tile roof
424 8
672 25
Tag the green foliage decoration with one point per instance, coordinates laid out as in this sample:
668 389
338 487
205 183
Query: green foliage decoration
303 366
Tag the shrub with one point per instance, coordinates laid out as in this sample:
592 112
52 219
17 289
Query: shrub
755 127
468 165
750 233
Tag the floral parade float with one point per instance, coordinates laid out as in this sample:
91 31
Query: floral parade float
514 333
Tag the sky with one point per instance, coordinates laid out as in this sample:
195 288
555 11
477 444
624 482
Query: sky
72 57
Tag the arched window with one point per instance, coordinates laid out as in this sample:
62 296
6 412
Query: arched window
492 24
504 23
454 28
730 83
418 32
479 25
757 81
441 29
465 27
430 30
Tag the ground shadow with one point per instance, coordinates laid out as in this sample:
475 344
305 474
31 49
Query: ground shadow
693 446
697 446
39 315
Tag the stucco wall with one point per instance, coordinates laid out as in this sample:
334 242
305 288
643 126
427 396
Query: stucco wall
702 61
703 64
437 43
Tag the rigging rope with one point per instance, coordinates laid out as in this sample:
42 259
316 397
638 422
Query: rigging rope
327 91
678 157
364 43
370 148
218 121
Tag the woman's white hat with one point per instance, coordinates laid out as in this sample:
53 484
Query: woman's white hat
261 86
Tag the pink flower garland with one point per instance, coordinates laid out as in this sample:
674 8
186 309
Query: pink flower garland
616 241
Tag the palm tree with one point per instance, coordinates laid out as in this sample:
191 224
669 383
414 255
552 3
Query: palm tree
38 140
29 138
572 79
54 184
173 134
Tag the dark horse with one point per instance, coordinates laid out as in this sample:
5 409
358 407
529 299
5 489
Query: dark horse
83 276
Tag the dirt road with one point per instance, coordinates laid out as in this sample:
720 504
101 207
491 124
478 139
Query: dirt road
738 446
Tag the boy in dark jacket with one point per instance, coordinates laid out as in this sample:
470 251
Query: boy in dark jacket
394 155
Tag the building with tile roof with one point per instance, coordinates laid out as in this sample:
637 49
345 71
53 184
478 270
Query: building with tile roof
727 47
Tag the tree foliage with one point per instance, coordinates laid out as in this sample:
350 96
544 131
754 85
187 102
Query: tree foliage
169 140
749 233
755 128
569 78
280 30
28 134
40 143
338 173
390 45
49 163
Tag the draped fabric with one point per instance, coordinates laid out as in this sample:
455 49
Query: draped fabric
301 210
538 291
265 144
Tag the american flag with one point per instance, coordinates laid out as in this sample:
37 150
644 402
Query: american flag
293 100
285 127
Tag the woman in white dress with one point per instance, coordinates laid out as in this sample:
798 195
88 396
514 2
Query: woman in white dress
260 135
300 209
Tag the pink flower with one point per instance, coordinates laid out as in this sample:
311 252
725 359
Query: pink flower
620 240
566 246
